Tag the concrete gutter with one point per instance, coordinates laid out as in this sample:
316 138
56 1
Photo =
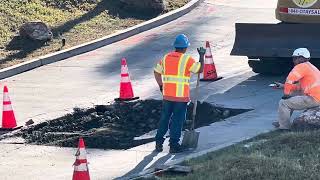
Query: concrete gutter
86 47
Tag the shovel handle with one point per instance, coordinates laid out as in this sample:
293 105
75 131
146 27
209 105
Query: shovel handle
195 103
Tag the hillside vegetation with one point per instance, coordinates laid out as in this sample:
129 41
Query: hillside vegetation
78 21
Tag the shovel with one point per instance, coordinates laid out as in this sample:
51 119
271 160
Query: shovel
191 137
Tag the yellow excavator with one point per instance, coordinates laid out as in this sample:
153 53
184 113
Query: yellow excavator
269 46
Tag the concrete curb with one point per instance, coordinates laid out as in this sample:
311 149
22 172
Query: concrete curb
86 47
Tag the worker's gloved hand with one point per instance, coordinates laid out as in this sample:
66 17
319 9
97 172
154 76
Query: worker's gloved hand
202 52
286 97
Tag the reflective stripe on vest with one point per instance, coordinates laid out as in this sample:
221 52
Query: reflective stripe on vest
159 68
195 67
182 68
175 79
164 63
317 82
178 78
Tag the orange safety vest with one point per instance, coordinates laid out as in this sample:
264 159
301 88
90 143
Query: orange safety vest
308 77
176 70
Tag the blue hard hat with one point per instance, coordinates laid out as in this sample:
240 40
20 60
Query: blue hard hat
181 41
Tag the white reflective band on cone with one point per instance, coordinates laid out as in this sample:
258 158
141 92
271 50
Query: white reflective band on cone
82 154
125 79
7 107
208 61
124 69
6 97
208 52
81 167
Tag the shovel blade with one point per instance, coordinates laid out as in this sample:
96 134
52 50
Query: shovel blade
190 139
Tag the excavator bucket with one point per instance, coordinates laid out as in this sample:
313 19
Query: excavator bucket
275 40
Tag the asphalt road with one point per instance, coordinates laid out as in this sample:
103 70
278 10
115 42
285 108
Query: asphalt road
93 78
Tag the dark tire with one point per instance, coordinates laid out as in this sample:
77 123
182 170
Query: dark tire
270 67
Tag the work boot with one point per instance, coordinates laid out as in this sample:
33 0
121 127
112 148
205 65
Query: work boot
159 147
177 148
276 124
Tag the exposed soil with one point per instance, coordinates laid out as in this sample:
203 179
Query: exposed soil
114 126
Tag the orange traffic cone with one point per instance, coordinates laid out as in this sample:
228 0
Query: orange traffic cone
8 118
81 171
126 92
209 70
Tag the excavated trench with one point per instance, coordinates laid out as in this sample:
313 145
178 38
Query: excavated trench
114 126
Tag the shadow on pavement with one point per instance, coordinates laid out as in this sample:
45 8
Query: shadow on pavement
147 49
3 132
243 91
146 163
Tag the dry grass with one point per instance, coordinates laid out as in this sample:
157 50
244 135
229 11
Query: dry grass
78 22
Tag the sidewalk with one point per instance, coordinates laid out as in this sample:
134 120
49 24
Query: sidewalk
93 78
245 91
250 93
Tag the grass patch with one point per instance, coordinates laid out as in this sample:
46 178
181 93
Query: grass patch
78 21
274 155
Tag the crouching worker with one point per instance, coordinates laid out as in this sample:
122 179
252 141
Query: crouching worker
172 74
304 77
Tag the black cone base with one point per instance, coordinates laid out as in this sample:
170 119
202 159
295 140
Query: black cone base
212 80
130 99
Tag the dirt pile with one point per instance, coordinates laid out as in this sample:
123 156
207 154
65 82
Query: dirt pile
114 126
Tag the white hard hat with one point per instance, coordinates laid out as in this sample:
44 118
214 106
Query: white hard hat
302 52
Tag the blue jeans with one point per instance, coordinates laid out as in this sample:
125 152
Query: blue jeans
176 112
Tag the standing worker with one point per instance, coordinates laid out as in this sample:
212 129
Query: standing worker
305 78
172 74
